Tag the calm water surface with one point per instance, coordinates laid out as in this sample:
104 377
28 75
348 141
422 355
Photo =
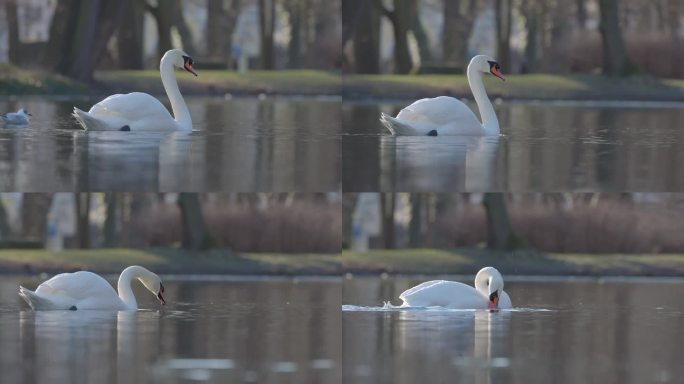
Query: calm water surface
234 330
239 145
546 146
584 331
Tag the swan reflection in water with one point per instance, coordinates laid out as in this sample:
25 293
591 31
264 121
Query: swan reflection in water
420 163
473 342
80 346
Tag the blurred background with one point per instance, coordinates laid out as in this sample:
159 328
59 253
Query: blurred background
548 222
525 36
76 37
285 223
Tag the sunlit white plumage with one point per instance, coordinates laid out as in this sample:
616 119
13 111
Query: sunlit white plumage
20 117
445 115
87 290
139 111
451 294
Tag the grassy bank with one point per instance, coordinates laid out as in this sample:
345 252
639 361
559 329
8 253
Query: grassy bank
219 82
407 261
168 260
470 260
537 86
15 81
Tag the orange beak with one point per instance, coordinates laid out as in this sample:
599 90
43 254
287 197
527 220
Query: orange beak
497 73
188 67
494 303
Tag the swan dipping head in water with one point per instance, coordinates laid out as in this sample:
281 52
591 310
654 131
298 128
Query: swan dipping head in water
488 293
86 290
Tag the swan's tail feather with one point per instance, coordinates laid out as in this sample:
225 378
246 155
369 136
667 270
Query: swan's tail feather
396 126
88 122
36 301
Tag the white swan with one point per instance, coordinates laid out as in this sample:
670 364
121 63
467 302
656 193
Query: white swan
86 290
448 116
139 111
487 294
20 117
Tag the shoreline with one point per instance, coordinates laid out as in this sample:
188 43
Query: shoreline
425 262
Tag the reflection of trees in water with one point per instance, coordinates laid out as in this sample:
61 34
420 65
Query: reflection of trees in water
596 330
252 323
545 147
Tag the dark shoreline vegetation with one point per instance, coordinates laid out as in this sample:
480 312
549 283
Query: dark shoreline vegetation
461 261
18 82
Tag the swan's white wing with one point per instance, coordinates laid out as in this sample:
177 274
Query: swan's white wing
440 110
443 293
131 107
78 286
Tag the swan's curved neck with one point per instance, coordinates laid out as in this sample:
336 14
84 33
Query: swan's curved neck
124 286
489 120
180 110
481 283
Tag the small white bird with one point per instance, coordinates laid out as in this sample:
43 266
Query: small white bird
86 290
20 117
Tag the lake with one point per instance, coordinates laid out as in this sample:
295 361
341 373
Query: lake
545 147
238 145
625 330
225 329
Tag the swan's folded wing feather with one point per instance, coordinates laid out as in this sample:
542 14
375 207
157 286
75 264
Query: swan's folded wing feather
411 291
133 106
77 285
439 110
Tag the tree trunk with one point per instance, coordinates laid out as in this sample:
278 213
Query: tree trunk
400 17
164 14
504 21
195 235
531 14
221 24
294 47
82 219
130 36
387 202
13 30
421 37
34 211
366 37
111 224
5 229
581 14
456 31
267 28
183 28
416 223
62 28
499 232
616 62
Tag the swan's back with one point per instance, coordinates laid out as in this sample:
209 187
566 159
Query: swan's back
440 111
131 106
444 293
78 286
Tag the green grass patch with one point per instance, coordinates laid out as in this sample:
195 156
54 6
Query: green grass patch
535 86
166 260
308 82
17 81
523 262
